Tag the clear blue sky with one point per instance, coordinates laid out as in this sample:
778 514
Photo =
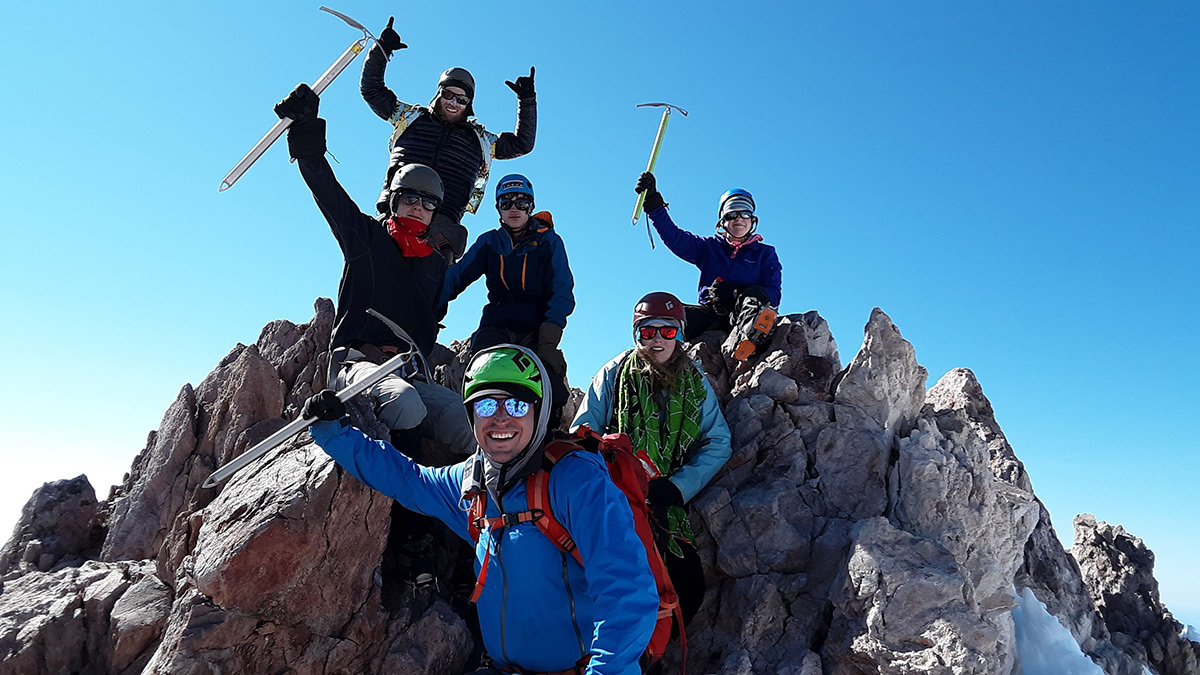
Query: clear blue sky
1015 184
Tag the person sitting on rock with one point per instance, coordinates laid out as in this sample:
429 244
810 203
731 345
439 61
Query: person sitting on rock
445 136
662 400
740 276
529 282
388 266
540 610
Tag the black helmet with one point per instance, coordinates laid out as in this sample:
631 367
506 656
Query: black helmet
417 178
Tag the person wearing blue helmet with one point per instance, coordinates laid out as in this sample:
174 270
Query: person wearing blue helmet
740 276
530 286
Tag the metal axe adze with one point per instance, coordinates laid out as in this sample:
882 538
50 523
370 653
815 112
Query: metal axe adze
319 86
662 129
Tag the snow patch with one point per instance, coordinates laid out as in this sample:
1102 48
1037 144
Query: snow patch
1190 633
1044 646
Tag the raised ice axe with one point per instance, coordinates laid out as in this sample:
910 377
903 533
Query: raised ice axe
319 86
662 129
301 423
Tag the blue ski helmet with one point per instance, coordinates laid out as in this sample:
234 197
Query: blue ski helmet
736 199
514 183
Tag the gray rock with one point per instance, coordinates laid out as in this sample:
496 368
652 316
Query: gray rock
884 379
1118 570
62 523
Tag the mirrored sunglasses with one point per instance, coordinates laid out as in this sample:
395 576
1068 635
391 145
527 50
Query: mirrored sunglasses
428 203
668 332
457 98
486 407
520 203
734 215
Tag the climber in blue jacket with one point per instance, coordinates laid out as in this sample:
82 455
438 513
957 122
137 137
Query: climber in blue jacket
740 276
540 611
531 291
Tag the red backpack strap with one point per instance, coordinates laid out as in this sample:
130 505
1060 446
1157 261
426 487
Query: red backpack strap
537 491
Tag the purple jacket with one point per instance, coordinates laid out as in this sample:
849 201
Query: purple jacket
755 263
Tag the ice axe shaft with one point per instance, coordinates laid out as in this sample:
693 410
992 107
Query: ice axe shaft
319 86
302 423
658 138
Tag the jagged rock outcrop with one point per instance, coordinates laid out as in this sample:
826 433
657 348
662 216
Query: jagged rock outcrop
1118 571
863 525
61 524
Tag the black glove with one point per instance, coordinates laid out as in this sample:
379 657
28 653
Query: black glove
722 294
324 406
647 184
547 350
523 86
662 496
301 105
389 39
306 135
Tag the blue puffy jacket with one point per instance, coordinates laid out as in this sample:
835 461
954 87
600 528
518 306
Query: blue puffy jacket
528 283
752 264
539 610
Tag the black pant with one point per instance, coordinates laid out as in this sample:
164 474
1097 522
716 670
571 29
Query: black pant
687 574
490 336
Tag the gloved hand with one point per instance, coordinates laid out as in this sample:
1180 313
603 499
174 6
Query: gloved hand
306 135
523 87
647 184
389 39
301 105
662 496
722 294
324 406
549 335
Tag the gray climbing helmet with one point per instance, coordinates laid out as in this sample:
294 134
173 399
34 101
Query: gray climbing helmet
415 178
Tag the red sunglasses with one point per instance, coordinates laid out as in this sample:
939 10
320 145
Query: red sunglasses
668 332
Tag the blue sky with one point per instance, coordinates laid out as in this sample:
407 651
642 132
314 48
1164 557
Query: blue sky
1015 185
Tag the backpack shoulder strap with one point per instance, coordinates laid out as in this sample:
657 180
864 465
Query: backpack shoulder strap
537 491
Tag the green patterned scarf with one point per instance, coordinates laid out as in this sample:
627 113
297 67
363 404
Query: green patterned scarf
665 438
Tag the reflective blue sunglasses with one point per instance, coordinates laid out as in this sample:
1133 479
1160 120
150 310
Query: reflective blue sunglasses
486 407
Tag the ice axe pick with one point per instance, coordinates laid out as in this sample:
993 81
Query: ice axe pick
317 87
658 138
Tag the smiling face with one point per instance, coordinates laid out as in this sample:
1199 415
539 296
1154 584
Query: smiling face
738 228
452 110
503 437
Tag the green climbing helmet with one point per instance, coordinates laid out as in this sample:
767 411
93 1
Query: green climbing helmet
504 370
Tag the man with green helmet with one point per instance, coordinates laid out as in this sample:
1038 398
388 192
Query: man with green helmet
540 610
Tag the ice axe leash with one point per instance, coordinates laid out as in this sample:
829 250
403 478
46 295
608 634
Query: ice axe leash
301 423
658 138
319 86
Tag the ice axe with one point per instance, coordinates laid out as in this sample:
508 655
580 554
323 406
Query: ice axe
317 87
301 423
662 129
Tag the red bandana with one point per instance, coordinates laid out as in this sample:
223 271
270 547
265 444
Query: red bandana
737 246
409 233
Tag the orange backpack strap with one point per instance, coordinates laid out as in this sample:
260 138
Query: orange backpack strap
477 522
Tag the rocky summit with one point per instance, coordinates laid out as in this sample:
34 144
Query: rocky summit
864 524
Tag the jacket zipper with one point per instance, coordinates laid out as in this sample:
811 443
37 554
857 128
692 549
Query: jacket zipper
571 601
